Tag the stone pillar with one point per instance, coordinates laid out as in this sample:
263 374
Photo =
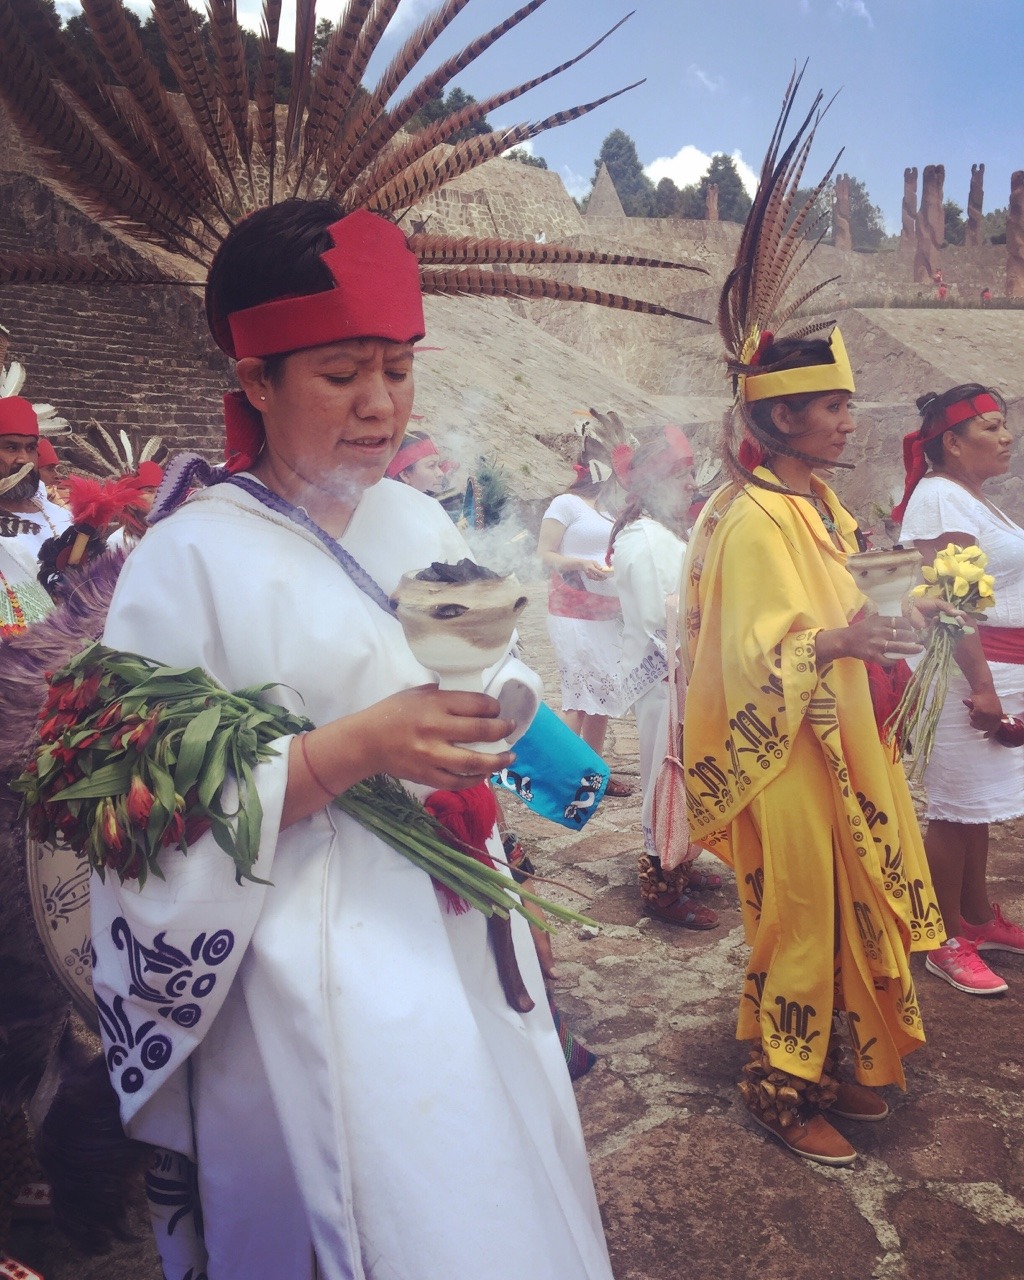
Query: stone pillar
841 237
975 200
908 234
930 225
1015 237
711 203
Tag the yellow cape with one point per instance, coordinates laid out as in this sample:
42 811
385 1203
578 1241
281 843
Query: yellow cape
788 782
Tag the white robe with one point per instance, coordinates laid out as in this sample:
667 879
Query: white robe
335 1050
648 560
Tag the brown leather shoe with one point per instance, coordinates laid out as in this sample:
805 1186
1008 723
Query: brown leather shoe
815 1140
858 1102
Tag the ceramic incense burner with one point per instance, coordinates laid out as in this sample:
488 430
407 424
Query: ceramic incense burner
885 577
459 619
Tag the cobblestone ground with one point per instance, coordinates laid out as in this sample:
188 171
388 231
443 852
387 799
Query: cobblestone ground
689 1187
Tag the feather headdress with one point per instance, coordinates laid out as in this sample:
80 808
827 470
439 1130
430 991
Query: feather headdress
758 299
180 172
99 453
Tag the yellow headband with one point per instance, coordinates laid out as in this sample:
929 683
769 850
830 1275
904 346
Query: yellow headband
799 382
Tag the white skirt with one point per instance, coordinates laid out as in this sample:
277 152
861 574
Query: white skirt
971 778
588 655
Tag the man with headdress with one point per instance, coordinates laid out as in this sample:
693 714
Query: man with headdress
26 517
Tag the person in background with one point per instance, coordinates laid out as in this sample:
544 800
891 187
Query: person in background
27 518
419 465
646 548
584 618
48 465
964 442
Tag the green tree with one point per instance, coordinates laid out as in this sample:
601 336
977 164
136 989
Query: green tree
993 226
635 189
667 199
733 201
867 230
322 34
441 108
523 156
955 226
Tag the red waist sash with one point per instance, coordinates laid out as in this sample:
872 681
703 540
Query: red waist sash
1002 644
566 601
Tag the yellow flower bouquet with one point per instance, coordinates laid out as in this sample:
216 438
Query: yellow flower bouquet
957 575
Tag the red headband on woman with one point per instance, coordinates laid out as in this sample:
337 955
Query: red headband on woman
679 454
409 454
915 464
377 294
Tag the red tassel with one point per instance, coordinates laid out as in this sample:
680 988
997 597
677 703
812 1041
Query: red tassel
470 816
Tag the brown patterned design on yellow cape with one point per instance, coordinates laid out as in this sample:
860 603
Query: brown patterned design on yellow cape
788 782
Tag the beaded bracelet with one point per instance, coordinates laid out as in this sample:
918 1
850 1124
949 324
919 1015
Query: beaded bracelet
331 795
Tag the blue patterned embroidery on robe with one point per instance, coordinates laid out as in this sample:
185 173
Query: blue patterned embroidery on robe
174 982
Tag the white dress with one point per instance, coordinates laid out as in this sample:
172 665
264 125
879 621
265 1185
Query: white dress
648 560
334 1048
970 778
588 651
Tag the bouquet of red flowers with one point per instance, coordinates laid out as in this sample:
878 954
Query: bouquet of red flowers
133 760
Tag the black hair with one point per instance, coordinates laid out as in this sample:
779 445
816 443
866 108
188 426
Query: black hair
273 253
932 406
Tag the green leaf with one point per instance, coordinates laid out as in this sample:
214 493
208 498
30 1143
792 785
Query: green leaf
192 752
109 780
212 777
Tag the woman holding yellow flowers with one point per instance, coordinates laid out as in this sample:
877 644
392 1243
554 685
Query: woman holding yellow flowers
962 443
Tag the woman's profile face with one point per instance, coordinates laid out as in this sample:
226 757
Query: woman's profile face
337 414
822 428
982 448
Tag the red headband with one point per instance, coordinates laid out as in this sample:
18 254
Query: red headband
409 454
17 417
47 454
377 294
915 464
677 447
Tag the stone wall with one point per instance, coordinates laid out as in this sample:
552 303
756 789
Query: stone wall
129 356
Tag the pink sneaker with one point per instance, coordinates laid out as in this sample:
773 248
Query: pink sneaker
998 935
958 962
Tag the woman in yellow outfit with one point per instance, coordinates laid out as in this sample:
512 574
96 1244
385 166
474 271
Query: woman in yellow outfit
787 778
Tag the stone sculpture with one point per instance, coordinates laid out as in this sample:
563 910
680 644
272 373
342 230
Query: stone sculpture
711 203
930 225
908 232
1015 237
841 237
975 200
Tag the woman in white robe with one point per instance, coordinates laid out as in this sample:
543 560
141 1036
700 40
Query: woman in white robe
332 1049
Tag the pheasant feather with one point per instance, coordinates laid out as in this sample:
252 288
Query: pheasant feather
180 172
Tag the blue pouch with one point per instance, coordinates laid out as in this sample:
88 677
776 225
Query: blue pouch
555 773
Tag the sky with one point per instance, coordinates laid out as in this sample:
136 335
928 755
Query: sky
920 82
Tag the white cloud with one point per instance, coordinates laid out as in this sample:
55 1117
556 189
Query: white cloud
856 7
690 164
709 82
575 183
